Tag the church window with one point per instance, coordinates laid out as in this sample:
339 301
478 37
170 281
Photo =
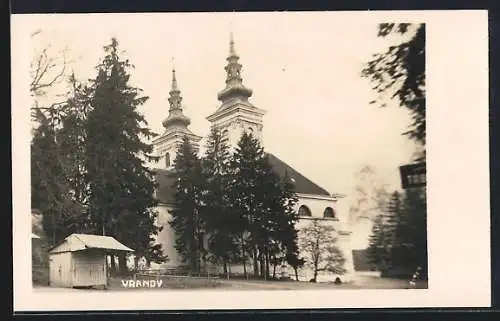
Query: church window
167 159
304 211
329 212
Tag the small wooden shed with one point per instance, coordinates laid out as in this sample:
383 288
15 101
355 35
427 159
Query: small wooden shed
80 260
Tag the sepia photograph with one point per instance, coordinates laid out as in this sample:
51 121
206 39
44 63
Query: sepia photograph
227 152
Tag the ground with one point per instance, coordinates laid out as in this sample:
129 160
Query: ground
362 282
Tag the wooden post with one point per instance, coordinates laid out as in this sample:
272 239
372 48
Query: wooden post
106 270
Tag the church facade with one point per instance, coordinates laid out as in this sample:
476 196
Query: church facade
235 115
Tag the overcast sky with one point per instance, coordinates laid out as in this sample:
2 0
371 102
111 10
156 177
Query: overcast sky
304 69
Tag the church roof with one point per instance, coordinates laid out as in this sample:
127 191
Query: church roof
303 185
165 178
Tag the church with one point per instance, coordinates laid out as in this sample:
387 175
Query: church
235 115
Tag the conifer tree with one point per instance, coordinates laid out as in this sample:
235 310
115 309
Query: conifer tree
264 205
121 187
187 221
378 251
247 197
49 188
72 138
216 210
413 231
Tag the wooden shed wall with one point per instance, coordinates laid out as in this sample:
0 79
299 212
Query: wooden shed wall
60 269
89 268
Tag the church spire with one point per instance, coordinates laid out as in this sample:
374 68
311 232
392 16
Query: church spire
234 82
176 116
175 98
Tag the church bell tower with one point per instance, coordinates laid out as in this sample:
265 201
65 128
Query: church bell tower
236 114
176 127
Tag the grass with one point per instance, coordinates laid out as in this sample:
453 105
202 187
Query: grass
167 282
200 283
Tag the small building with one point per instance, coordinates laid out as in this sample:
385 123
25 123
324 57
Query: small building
80 260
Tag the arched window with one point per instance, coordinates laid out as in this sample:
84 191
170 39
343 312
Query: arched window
167 159
329 212
304 211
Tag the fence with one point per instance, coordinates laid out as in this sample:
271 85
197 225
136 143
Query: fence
40 274
178 272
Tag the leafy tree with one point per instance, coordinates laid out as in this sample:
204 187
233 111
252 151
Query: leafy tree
50 190
187 220
318 242
216 211
370 196
400 73
295 262
121 187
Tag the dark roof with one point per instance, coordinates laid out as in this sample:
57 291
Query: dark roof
165 178
303 185
361 261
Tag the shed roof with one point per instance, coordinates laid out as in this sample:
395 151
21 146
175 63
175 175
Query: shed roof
34 236
78 242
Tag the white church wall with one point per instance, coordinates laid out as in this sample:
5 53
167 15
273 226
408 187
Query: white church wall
167 237
317 206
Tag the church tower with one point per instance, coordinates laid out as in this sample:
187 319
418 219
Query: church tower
236 114
176 127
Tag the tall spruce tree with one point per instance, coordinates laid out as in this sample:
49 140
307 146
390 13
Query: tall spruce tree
71 141
49 185
216 210
264 206
247 196
187 221
121 198
413 231
378 250
280 240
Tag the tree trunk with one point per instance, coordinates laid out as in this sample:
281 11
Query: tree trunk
136 262
113 265
274 270
122 264
244 258
296 270
255 263
225 270
267 266
262 265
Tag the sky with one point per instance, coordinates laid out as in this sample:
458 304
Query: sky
304 70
